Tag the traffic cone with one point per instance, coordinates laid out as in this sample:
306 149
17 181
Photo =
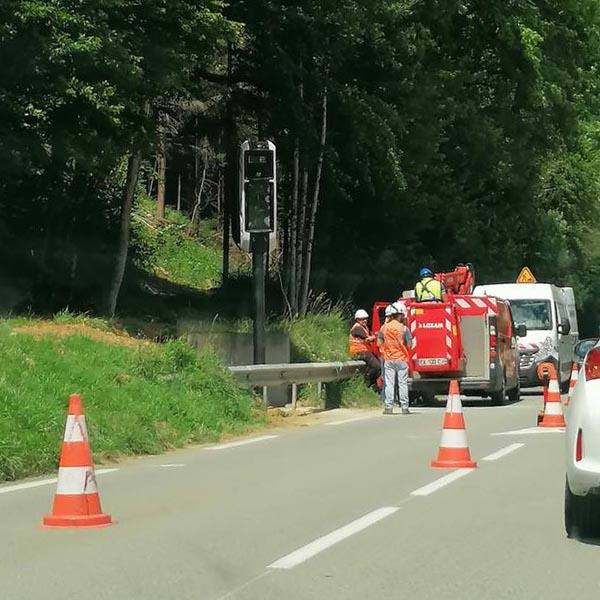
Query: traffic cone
553 414
76 503
454 449
574 376
540 414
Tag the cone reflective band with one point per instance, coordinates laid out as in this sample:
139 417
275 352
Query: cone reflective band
76 502
454 448
574 376
553 414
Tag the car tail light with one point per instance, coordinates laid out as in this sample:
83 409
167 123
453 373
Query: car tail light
592 364
493 342
579 447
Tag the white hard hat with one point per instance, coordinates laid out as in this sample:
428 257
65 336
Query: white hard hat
390 310
361 314
400 308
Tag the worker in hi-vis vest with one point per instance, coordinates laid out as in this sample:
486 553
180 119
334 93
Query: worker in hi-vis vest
429 289
395 343
359 345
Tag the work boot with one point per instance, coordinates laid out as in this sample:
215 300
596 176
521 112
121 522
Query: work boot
388 411
405 410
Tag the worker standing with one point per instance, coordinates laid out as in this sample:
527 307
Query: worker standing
395 344
359 345
380 341
429 289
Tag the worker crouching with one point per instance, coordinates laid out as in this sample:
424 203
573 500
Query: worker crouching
359 345
395 340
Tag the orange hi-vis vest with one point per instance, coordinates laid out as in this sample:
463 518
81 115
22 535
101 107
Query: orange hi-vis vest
394 341
357 345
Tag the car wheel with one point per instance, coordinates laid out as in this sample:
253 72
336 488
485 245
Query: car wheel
514 395
582 515
499 397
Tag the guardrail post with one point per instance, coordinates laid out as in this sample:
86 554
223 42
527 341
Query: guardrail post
319 389
265 396
294 395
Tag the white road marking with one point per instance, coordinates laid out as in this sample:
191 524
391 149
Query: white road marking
351 420
319 545
172 465
503 452
532 431
242 442
434 486
41 482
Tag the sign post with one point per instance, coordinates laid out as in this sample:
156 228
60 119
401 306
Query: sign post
258 224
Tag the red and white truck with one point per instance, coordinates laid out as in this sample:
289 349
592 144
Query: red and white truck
469 338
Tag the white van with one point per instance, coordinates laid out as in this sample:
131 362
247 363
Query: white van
552 330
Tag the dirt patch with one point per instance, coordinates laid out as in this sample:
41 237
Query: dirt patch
113 337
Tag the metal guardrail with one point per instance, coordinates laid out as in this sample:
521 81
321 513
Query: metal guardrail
296 373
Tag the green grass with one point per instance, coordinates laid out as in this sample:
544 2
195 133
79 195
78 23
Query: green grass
139 399
319 336
324 337
171 251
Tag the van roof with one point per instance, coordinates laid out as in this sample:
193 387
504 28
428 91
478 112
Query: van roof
517 291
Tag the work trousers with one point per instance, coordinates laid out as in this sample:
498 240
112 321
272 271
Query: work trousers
373 369
396 370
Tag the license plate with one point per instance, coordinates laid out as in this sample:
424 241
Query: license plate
431 362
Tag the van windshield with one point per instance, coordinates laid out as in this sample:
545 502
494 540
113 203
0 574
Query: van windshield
536 314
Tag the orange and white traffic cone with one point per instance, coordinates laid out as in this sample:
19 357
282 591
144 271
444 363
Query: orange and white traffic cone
574 376
553 414
454 449
76 503
540 414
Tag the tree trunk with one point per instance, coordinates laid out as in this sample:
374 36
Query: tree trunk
293 236
160 189
230 166
313 212
301 238
133 170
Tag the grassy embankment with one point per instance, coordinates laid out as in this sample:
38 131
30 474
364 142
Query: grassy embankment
140 397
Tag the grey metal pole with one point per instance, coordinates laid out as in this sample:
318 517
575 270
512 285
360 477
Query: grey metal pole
259 255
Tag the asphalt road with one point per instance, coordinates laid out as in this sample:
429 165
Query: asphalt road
338 510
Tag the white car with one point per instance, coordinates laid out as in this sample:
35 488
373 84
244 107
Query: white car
582 489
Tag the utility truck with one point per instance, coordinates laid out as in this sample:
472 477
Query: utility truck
470 337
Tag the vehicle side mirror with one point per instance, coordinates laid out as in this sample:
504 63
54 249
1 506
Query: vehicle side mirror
564 328
521 330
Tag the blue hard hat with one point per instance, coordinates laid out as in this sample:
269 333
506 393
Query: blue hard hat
425 272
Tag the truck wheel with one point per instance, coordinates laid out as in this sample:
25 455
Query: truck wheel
581 515
427 398
499 397
514 395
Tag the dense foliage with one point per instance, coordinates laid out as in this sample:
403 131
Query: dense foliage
413 132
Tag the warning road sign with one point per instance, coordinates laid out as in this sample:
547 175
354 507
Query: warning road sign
526 276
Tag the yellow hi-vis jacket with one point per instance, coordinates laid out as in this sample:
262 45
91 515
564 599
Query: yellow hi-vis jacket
428 290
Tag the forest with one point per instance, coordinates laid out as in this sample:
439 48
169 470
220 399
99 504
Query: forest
408 132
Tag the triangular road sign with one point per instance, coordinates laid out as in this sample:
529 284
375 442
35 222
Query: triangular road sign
526 276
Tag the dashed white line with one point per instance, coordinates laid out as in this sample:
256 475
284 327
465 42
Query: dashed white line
242 442
319 545
532 431
351 420
41 482
503 452
434 486
172 465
